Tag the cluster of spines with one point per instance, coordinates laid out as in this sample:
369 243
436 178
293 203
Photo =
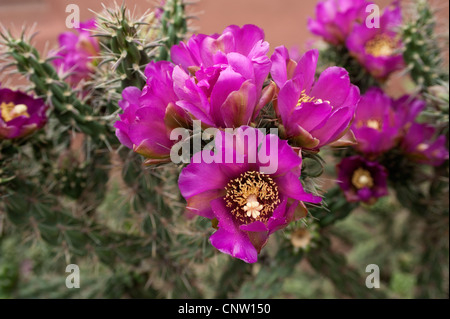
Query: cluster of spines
422 47
128 45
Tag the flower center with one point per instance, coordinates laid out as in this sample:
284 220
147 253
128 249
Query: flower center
380 45
422 147
9 111
84 43
301 238
375 124
306 98
252 197
361 178
372 123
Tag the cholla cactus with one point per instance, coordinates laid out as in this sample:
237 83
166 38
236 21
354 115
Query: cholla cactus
104 206
424 53
129 44
423 46
66 168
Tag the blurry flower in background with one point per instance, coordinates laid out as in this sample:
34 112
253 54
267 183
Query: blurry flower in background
149 116
219 78
362 180
313 113
376 125
20 114
248 201
77 52
379 49
382 124
335 19
421 145
301 238
159 10
407 108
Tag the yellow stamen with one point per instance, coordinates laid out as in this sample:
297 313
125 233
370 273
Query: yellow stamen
372 123
422 147
306 98
361 178
375 124
9 111
380 45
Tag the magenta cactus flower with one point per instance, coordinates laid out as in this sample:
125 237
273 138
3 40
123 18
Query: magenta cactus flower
335 19
313 113
237 47
20 114
362 180
77 52
421 144
220 96
377 126
249 198
219 78
379 49
149 116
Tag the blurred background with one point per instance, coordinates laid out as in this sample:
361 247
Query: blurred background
283 21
